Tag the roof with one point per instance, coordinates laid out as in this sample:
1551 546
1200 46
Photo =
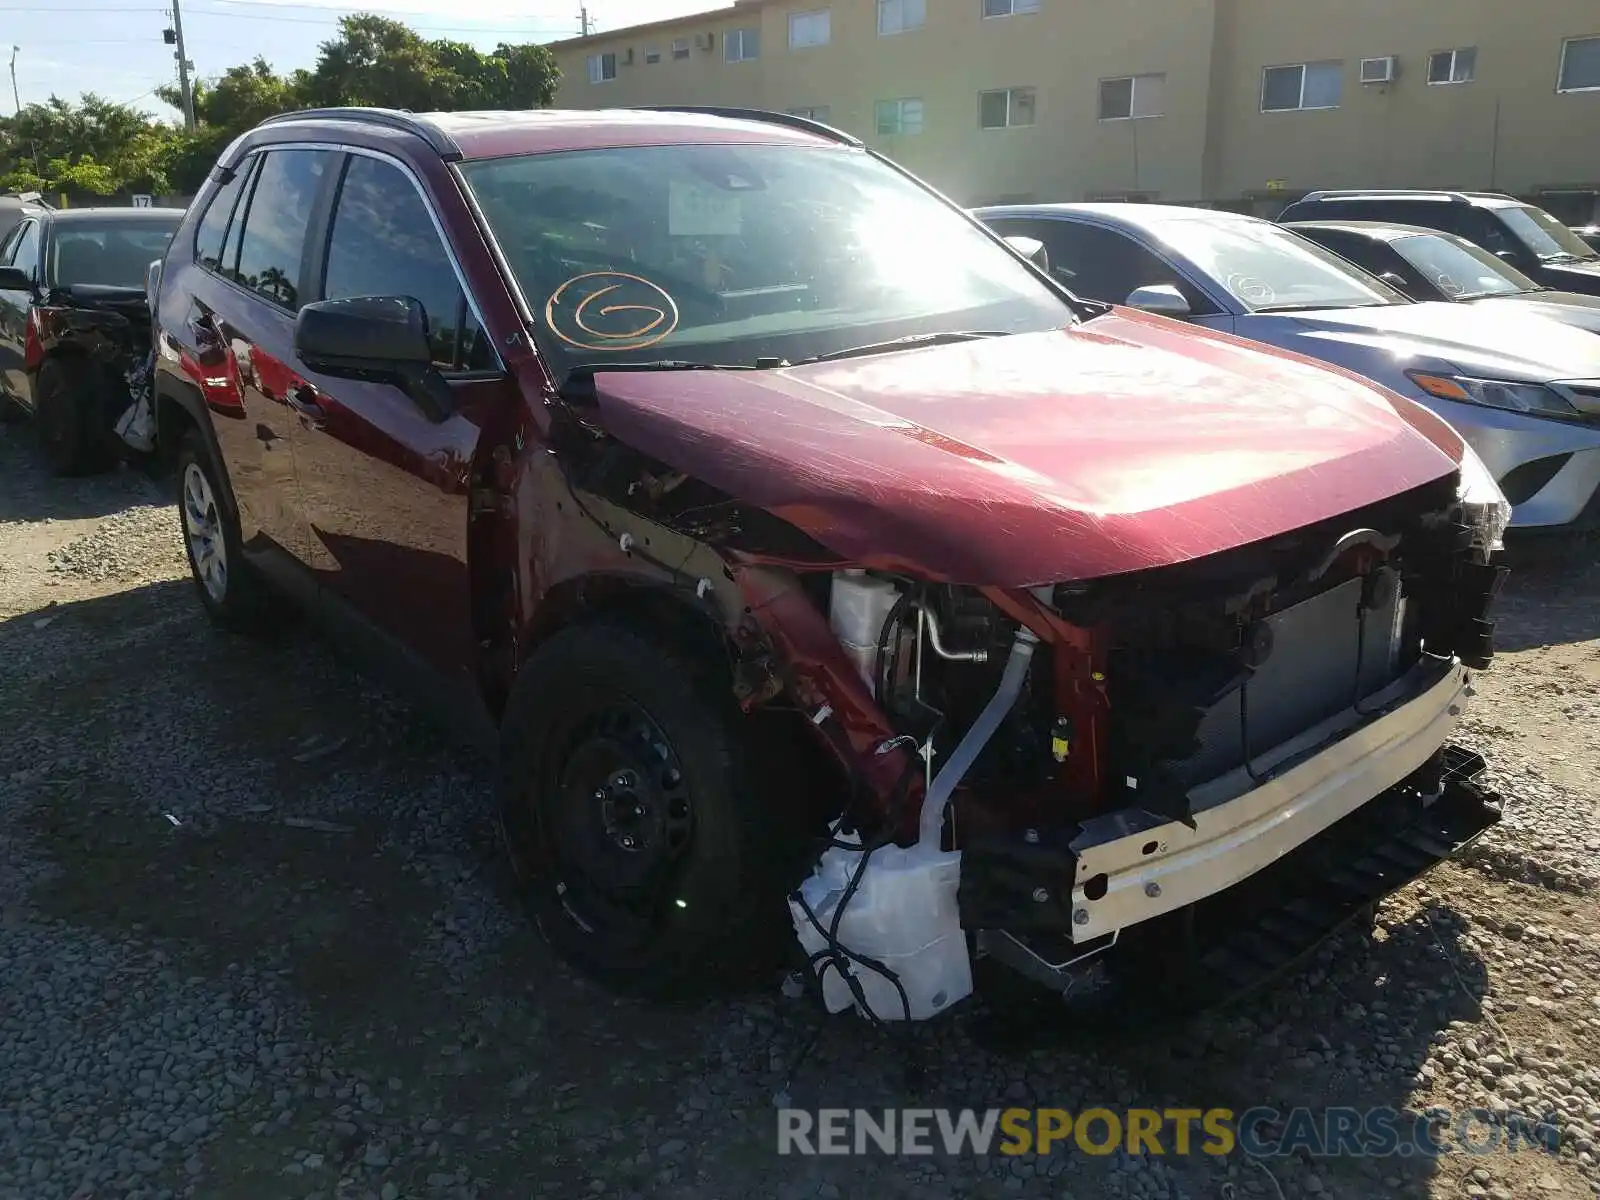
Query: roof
1411 196
1126 213
1380 231
479 135
737 8
71 216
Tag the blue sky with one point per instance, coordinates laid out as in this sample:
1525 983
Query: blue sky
114 47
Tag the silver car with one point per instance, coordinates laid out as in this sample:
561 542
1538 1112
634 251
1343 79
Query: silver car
1522 389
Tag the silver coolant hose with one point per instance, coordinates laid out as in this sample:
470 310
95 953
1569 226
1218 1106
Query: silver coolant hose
970 746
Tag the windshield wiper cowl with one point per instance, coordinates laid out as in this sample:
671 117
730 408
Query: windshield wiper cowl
909 342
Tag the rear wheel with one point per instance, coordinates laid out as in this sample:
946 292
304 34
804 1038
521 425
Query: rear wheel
630 817
234 594
69 399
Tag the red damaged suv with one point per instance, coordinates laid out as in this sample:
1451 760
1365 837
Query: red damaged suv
779 515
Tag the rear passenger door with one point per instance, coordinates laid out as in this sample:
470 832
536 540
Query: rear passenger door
385 487
250 248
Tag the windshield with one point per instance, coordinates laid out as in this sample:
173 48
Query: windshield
1542 234
1269 269
1461 270
730 254
110 253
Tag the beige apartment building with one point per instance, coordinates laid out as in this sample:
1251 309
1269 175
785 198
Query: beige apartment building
1241 102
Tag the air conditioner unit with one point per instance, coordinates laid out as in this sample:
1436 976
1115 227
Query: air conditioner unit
705 40
1380 70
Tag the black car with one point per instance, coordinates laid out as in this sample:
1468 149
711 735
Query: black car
1525 236
74 319
1590 234
1428 265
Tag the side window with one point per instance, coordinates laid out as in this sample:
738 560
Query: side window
272 245
213 228
383 243
9 245
1102 264
1485 229
26 252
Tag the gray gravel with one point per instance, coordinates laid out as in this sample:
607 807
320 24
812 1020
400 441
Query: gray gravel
256 941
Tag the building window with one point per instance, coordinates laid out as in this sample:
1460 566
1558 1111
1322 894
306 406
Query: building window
1453 66
899 116
680 47
602 67
741 44
818 112
652 54
901 16
809 29
1580 65
1009 8
1302 86
1133 96
1007 108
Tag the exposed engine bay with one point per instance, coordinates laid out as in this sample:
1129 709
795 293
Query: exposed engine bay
1058 772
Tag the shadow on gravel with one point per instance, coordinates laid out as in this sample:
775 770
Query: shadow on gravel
28 492
1548 596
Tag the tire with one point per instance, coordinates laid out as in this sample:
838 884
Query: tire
69 408
611 735
10 411
234 594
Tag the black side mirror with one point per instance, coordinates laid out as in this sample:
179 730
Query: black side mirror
1395 280
15 279
1509 256
382 338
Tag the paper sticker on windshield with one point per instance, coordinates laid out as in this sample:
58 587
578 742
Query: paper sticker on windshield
696 211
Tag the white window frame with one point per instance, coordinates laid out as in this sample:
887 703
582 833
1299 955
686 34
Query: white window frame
1133 96
1561 69
899 103
811 16
652 53
1014 8
1455 61
1011 99
899 6
736 37
1305 70
597 67
680 47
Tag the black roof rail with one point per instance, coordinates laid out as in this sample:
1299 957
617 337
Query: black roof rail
389 118
770 117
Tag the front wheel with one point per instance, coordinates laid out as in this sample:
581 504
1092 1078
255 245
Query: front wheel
629 814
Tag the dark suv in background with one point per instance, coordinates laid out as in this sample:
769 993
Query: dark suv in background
1527 237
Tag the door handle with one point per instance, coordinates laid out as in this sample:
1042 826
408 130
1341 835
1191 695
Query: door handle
303 401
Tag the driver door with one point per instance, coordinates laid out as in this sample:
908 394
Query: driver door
384 487
21 249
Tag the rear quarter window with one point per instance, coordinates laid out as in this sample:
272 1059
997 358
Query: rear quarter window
213 227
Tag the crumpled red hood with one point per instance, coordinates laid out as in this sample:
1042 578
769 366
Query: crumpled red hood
1129 443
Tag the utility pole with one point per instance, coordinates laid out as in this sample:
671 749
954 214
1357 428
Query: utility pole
583 18
183 68
16 98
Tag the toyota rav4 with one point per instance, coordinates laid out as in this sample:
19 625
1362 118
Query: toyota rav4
805 541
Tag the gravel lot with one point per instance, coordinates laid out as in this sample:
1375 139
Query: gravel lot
255 941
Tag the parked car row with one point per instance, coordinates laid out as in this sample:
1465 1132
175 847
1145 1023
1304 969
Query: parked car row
74 320
1514 366
827 569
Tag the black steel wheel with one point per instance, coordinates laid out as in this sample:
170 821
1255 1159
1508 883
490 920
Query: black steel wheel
629 815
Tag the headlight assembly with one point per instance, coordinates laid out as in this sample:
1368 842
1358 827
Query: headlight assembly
1483 506
1532 398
